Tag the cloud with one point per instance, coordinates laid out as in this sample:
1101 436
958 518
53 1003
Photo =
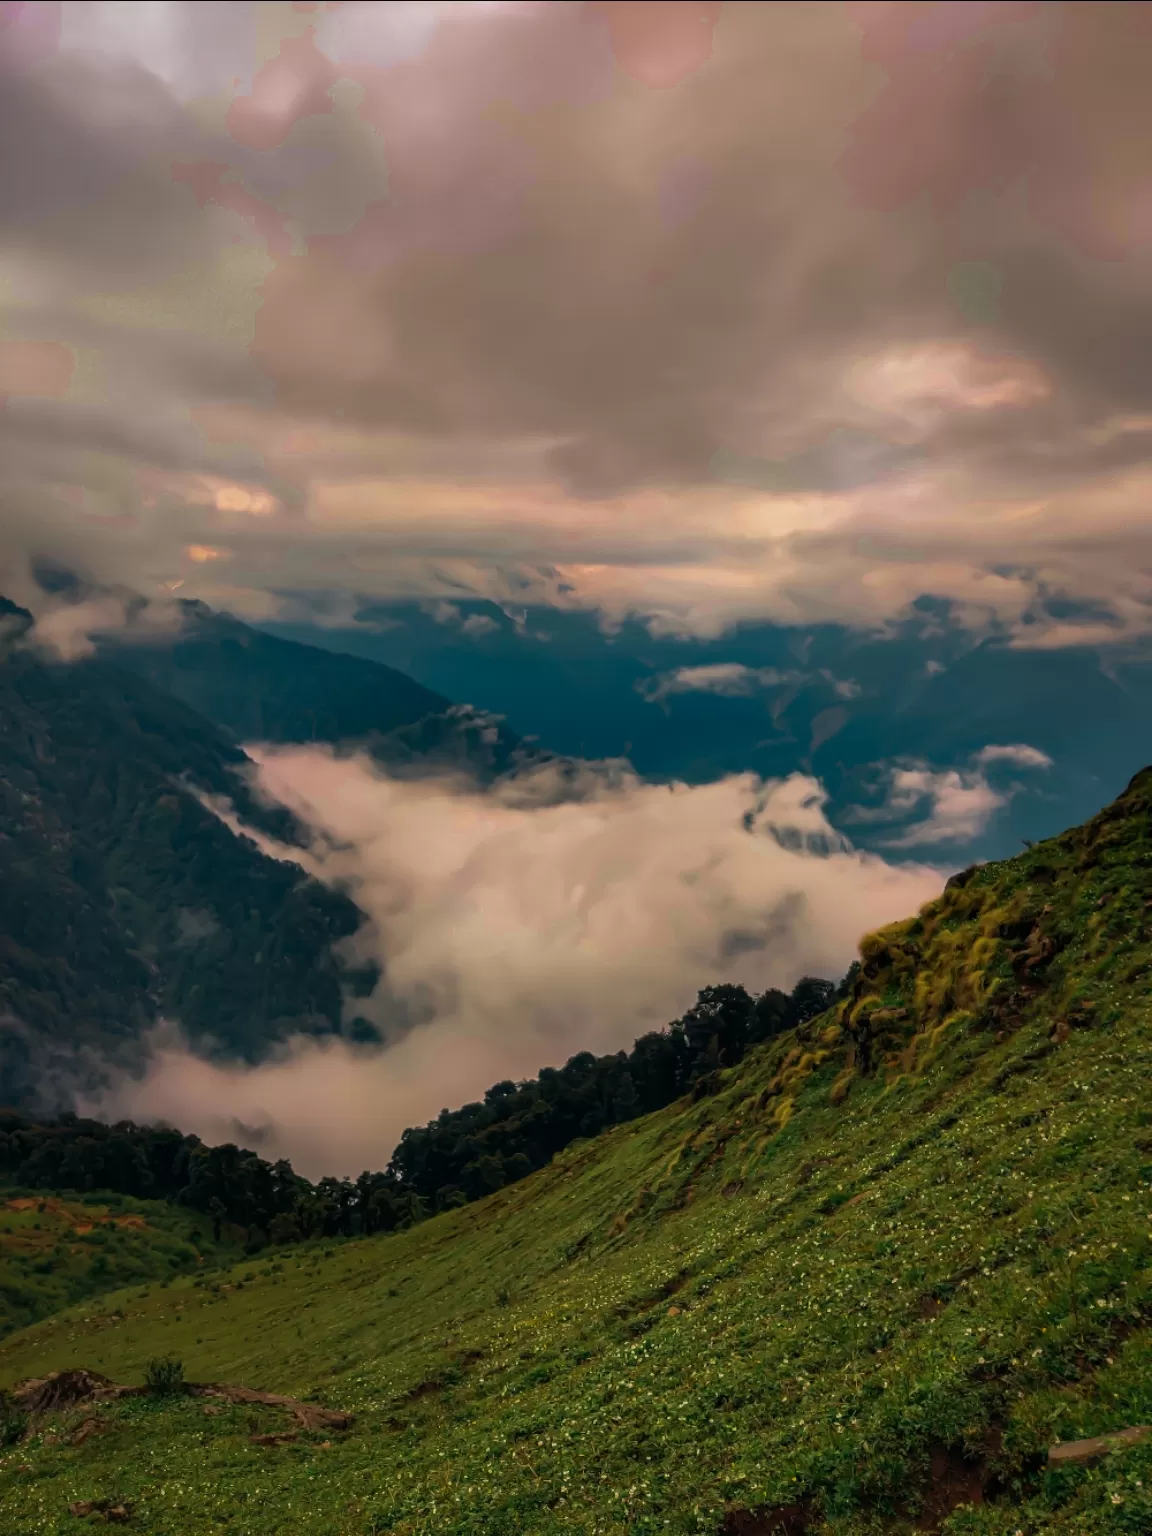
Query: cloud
474 624
702 315
67 630
729 679
66 626
1019 755
572 909
734 680
954 805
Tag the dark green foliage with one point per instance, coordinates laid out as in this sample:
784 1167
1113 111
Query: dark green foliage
13 1422
123 898
165 1377
460 1156
467 1153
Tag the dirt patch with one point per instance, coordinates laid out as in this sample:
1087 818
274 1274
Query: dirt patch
285 1437
80 1219
424 1389
105 1509
777 1520
86 1430
957 1477
67 1389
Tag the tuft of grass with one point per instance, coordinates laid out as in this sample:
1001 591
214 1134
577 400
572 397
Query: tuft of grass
165 1377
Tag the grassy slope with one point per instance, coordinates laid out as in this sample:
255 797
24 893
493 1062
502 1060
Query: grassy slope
55 1251
802 1288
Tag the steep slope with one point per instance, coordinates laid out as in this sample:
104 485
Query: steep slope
123 898
261 688
861 1287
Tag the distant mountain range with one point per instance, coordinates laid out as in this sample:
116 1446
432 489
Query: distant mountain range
124 899
776 699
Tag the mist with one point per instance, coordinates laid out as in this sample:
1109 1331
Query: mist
518 926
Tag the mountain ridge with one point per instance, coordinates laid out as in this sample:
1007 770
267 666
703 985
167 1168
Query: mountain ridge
123 898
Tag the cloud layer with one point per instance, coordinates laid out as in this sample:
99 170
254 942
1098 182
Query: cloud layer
700 312
519 927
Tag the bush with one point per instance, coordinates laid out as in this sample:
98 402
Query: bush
13 1422
165 1378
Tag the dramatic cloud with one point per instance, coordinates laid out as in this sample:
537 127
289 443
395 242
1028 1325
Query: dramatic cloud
703 313
562 913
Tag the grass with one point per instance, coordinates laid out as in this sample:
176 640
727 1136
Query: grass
56 1250
816 1288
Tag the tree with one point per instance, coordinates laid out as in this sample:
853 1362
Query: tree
811 996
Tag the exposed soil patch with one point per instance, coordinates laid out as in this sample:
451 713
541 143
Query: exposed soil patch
424 1389
81 1219
105 1509
777 1520
67 1389
957 1477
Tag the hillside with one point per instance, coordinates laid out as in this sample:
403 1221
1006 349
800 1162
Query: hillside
861 1287
55 1251
261 688
124 899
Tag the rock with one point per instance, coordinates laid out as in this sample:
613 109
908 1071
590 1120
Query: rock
1071 1453
86 1430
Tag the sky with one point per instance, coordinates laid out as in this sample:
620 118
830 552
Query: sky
689 311
675 314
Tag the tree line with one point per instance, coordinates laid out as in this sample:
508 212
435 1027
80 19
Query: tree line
460 1156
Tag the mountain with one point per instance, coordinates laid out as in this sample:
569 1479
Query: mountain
124 899
864 1282
819 699
262 688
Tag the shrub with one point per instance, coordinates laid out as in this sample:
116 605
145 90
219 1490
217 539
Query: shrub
13 1422
165 1378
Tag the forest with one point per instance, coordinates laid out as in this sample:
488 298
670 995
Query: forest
460 1156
